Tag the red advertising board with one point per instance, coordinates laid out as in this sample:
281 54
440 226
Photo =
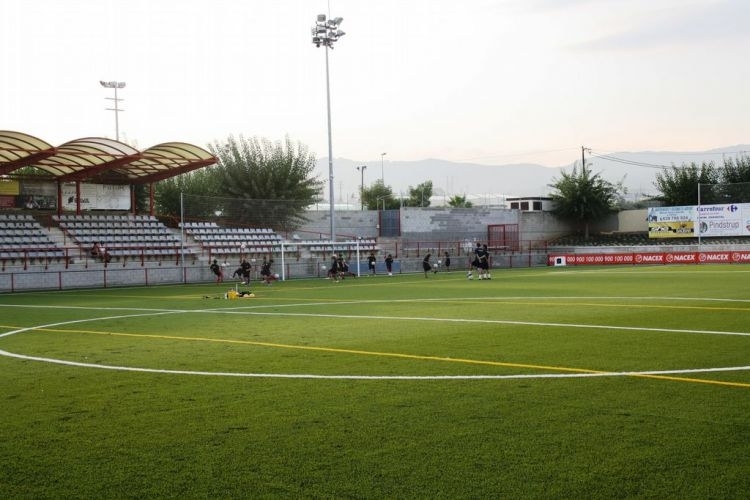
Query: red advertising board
636 258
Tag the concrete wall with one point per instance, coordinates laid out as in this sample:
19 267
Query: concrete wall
541 226
447 223
440 223
625 221
349 224
58 277
631 221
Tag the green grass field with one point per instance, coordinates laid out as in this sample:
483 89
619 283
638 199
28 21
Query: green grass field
629 382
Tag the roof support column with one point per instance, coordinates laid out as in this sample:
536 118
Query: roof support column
78 197
59 197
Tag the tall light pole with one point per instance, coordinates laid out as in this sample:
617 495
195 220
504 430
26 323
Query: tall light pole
114 85
382 177
362 186
326 33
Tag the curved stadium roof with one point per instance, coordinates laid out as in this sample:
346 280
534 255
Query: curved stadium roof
97 159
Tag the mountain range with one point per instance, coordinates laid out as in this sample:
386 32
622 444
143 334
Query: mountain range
493 183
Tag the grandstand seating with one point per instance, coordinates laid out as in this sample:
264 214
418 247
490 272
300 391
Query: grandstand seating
124 236
219 240
224 241
22 237
348 247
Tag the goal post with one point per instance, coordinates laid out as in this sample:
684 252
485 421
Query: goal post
314 256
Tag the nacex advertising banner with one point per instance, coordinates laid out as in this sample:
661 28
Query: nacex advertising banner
636 258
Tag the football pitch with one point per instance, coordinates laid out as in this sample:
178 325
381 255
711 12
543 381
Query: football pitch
618 382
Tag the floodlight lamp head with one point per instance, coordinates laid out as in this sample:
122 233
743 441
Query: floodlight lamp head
321 18
339 33
338 20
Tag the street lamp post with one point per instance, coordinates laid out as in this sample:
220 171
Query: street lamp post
114 85
377 201
362 186
325 33
382 177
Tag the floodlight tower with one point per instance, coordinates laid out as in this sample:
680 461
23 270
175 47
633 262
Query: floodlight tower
326 33
114 85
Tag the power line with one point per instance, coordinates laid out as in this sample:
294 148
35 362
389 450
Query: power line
631 162
611 157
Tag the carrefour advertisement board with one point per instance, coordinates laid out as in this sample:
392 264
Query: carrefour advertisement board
732 219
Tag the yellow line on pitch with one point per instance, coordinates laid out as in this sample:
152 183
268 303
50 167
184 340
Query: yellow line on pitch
335 350
693 380
412 356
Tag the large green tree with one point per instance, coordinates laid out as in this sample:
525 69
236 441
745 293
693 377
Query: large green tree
736 178
458 201
419 196
679 185
583 198
198 184
255 182
267 183
378 195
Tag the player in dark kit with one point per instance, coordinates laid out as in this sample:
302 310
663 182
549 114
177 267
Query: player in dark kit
371 262
484 263
245 271
426 266
265 271
216 269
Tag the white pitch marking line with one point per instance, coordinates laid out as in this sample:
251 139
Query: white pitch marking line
356 377
366 377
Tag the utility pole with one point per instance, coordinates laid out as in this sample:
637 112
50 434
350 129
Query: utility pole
583 156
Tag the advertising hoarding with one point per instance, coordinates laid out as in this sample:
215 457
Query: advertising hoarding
706 221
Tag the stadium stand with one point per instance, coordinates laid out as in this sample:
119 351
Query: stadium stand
316 247
223 241
124 236
23 238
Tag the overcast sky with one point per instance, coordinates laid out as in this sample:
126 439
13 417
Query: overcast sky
486 81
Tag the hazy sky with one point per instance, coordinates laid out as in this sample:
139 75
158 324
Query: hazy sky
487 81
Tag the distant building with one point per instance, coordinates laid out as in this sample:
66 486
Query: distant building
531 204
